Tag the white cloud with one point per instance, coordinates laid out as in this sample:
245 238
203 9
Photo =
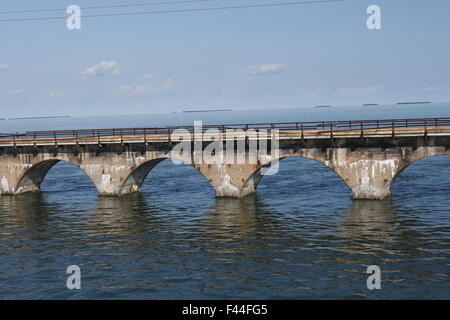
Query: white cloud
264 69
103 68
149 76
438 88
4 67
166 84
56 95
16 92
361 91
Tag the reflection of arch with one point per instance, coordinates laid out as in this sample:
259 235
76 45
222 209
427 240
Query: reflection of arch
32 178
25 212
368 227
123 217
256 177
232 219
136 178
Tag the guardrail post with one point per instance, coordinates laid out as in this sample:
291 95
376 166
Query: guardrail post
303 135
393 130
362 131
426 131
54 138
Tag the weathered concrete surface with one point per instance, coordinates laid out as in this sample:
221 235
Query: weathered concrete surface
368 166
230 180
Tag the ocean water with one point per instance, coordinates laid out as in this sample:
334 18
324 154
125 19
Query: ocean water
299 237
231 117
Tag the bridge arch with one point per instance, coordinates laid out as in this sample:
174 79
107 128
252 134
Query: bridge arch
417 162
257 176
31 179
133 182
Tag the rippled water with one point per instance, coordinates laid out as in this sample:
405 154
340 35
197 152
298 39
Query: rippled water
300 236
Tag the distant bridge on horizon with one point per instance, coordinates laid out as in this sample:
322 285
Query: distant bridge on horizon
367 154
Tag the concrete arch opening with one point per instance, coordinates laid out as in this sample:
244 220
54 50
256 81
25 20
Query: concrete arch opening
414 179
69 176
166 175
317 177
35 177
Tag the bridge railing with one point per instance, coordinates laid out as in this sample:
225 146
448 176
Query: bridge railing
303 127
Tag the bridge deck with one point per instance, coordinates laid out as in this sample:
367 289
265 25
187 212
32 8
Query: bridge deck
25 140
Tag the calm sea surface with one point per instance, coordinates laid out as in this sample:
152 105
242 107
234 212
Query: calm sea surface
301 235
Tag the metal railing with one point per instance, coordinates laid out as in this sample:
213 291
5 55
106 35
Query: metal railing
330 127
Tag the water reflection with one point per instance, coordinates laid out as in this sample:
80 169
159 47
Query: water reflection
370 220
121 216
370 226
254 247
37 221
25 213
233 219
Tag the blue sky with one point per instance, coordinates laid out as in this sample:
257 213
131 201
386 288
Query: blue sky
296 56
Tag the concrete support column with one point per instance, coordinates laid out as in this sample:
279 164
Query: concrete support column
11 171
369 179
234 181
370 172
19 175
109 178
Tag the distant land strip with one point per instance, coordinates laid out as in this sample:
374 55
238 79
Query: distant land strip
212 110
415 102
33 118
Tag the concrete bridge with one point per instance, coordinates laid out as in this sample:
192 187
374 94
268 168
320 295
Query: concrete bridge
368 155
